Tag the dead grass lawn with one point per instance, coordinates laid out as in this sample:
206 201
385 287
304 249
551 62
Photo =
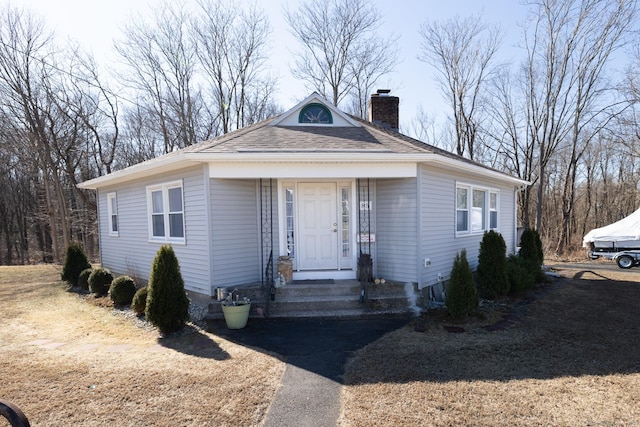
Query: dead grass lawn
66 362
572 358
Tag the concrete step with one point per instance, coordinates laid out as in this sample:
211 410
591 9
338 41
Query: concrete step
326 299
343 288
361 313
315 303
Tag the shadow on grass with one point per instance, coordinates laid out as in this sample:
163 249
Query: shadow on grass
580 275
193 342
576 328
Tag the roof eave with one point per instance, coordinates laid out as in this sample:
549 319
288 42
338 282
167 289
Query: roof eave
140 170
355 157
182 160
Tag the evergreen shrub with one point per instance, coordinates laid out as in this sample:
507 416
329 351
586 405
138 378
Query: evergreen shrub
520 276
462 296
122 290
139 302
75 261
167 302
531 251
99 281
83 278
492 266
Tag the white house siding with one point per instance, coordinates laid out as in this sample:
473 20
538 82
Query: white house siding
396 222
438 240
235 231
132 253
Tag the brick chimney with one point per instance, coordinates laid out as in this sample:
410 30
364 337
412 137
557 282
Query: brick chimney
383 109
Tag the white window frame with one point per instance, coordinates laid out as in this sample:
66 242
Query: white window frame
485 213
111 197
166 212
464 209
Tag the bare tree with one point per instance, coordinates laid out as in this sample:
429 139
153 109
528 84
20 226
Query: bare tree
161 63
341 52
568 100
232 47
45 135
462 52
24 75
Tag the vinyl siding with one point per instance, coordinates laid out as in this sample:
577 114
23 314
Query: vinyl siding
438 240
235 232
132 253
396 222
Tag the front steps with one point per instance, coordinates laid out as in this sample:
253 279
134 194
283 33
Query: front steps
328 299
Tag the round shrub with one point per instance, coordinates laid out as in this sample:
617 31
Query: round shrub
167 302
83 278
99 281
122 290
462 296
139 302
74 263
492 265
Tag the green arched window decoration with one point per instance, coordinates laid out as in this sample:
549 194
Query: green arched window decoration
315 113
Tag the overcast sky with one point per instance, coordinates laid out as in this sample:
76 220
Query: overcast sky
95 24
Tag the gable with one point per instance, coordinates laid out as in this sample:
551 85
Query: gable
315 111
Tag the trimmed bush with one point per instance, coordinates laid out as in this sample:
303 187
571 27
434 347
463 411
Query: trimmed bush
167 303
529 247
492 266
531 251
462 297
538 242
74 263
83 278
122 290
139 302
520 277
99 281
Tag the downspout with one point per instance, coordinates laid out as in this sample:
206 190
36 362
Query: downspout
516 191
99 226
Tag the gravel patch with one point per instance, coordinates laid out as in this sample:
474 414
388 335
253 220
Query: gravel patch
197 312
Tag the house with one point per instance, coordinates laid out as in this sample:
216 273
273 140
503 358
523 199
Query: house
314 184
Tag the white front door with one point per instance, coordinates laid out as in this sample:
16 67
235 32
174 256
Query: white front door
318 226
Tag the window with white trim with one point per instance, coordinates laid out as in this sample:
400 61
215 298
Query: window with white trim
476 209
112 209
166 212
462 209
493 210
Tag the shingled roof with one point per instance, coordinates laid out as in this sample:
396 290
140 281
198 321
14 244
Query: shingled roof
270 140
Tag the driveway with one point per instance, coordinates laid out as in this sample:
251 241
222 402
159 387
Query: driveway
319 346
315 351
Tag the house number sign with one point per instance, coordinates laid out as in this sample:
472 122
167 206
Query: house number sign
365 206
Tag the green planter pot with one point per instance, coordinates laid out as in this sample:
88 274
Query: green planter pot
236 316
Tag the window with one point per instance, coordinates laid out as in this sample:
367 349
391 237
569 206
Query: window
315 113
345 221
112 208
166 212
493 210
289 207
462 209
476 209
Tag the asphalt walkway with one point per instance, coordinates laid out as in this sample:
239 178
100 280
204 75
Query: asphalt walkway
315 352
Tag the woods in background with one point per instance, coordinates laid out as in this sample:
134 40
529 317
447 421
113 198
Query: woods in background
564 116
